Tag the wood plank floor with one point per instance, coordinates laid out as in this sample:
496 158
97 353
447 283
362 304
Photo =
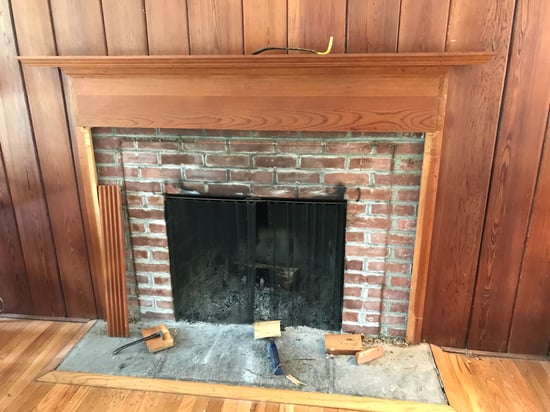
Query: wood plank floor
483 383
31 348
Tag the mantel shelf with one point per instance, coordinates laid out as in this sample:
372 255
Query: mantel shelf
117 64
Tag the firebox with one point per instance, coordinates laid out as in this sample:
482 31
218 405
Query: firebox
239 260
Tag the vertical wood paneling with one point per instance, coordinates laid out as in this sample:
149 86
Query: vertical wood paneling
23 173
530 331
35 36
215 26
14 286
78 27
515 168
125 27
470 131
167 31
373 26
264 24
312 22
423 25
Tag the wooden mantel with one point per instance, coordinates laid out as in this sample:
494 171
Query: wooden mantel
389 92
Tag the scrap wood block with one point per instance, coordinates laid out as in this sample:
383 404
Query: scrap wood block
267 329
343 344
157 344
369 354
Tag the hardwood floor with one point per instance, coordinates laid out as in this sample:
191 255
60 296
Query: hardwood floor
30 349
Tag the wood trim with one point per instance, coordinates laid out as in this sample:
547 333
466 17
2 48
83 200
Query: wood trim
238 392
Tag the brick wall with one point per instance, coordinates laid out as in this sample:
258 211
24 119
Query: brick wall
379 173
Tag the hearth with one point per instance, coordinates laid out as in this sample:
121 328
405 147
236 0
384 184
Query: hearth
239 260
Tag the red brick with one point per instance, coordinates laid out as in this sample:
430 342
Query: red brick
356 208
400 281
110 171
348 147
160 255
142 279
152 267
156 228
210 145
410 164
354 278
357 194
366 251
174 188
179 159
348 316
297 177
396 294
160 146
274 161
398 333
299 146
135 186
320 192
409 224
107 143
366 330
157 315
408 195
140 254
322 162
139 157
395 210
137 227
257 176
392 239
133 131
149 241
146 213
130 172
347 178
274 191
397 179
389 267
155 292
368 222
400 148
371 163
353 265
162 281
373 305
393 319
206 174
230 189
227 160
104 157
134 200
375 292
353 304
355 236
255 146
164 304
372 318
160 173
155 201
352 291
375 279
399 253
399 307
146 303
274 133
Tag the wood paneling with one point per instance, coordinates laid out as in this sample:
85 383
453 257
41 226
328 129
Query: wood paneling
264 24
125 28
14 286
530 331
423 25
35 36
312 22
215 26
470 132
373 26
167 31
24 175
519 144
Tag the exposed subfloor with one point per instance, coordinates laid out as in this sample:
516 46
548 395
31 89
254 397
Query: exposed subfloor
229 354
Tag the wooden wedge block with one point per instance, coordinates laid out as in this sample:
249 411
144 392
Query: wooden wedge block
343 344
267 329
157 344
369 354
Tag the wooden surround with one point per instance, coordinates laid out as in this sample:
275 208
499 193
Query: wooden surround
349 92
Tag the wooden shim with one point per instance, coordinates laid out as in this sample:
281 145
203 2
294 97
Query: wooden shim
343 344
267 329
369 354
158 344
116 305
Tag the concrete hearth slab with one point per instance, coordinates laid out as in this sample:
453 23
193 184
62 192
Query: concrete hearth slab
229 354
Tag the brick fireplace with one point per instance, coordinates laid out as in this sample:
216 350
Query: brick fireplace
377 173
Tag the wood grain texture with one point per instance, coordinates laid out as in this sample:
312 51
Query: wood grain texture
116 295
373 26
14 286
215 26
264 24
125 27
530 331
78 27
167 31
423 25
46 101
23 173
515 172
312 22
488 384
473 106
